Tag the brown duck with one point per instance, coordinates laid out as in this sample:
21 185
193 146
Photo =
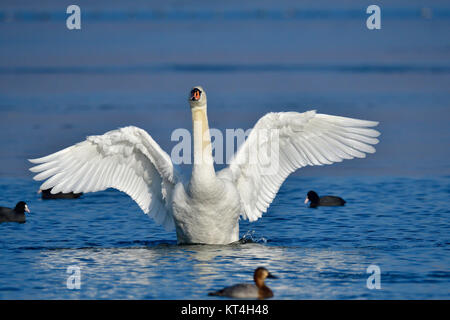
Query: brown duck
246 290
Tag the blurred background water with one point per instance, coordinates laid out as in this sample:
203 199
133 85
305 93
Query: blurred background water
134 64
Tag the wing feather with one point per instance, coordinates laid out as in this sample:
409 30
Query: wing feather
127 159
304 139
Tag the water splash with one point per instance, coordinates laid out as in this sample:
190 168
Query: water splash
250 237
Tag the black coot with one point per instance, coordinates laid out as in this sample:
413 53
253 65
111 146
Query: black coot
14 215
326 201
46 195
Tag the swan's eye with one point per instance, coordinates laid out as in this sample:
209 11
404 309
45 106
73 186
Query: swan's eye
195 94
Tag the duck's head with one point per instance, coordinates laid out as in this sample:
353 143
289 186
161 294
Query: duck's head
21 207
197 97
261 274
312 196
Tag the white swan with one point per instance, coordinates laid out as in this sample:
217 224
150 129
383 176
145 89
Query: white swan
207 208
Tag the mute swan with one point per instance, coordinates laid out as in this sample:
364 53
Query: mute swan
246 290
207 208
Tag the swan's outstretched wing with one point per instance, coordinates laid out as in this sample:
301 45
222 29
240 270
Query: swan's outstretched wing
127 159
282 142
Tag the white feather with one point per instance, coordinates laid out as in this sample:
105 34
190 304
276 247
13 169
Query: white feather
304 139
113 160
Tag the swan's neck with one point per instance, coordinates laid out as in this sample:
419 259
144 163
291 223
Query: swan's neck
203 168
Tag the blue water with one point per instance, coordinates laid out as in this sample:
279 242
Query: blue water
133 63
400 224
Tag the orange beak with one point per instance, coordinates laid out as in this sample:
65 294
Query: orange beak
195 95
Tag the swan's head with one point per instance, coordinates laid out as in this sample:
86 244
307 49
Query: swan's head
197 97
